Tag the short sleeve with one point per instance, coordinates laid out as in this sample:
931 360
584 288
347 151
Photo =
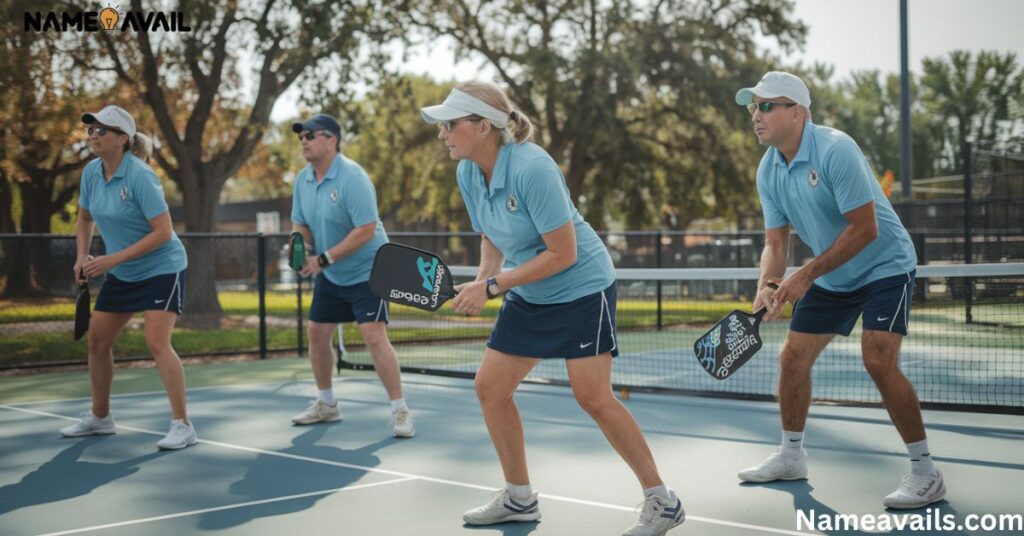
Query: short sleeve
464 177
149 194
360 199
773 215
848 176
84 187
545 195
297 216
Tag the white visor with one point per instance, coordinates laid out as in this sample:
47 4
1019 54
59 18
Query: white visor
459 104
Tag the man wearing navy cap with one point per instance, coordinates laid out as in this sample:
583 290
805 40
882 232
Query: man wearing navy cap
334 206
816 179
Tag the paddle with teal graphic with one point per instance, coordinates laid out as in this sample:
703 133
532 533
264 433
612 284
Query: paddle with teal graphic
730 343
411 276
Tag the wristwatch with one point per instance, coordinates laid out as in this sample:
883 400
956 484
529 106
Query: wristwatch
492 287
323 260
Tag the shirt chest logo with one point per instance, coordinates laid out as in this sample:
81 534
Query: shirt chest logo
512 204
813 179
334 196
124 193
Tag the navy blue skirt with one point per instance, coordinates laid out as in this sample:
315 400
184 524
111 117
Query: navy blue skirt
581 328
165 292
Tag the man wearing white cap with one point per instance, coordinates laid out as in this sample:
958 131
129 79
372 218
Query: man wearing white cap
817 180
559 287
334 206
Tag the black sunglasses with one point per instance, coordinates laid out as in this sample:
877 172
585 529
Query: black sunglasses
102 131
310 135
767 106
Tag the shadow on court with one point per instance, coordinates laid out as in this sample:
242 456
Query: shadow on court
52 482
268 476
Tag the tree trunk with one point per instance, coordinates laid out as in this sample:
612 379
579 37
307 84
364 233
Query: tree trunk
202 308
25 254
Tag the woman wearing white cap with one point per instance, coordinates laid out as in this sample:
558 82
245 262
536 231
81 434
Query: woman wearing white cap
143 267
559 297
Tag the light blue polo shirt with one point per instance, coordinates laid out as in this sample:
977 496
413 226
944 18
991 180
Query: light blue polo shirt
528 197
827 178
122 209
343 200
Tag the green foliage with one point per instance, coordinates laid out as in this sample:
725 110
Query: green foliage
634 99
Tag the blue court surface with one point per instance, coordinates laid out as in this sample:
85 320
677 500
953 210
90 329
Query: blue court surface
255 473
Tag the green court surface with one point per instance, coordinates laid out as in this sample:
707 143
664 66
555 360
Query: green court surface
255 473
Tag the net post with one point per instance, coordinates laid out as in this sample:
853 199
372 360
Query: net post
298 315
657 264
261 289
968 228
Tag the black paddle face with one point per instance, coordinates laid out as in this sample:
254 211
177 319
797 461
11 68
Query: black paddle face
82 309
410 276
298 251
729 344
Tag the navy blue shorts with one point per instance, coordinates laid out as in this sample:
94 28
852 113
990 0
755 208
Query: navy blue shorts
335 303
165 292
885 304
581 328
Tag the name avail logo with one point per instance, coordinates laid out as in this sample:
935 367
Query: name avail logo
106 19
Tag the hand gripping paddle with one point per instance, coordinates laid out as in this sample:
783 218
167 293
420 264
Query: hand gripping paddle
410 276
730 343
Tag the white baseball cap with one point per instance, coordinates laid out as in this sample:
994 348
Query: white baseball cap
460 104
776 84
112 116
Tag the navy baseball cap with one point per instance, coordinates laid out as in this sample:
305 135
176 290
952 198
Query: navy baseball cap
319 122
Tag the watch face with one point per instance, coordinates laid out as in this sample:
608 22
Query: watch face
322 260
492 289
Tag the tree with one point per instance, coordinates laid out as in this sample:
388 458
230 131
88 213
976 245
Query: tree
633 99
979 98
43 147
204 73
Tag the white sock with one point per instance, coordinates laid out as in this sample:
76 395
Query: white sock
792 443
327 396
519 492
920 458
398 404
660 491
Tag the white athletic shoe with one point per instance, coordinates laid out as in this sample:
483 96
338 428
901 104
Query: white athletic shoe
501 508
318 411
658 516
917 491
778 466
88 425
401 424
179 436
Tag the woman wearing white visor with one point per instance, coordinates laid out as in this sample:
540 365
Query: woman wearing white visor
559 297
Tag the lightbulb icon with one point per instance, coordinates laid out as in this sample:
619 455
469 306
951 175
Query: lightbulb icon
108 18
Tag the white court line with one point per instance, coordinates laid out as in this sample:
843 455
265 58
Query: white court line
404 475
222 508
163 392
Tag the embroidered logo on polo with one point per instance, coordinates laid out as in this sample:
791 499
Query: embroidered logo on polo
124 193
813 179
334 196
512 204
